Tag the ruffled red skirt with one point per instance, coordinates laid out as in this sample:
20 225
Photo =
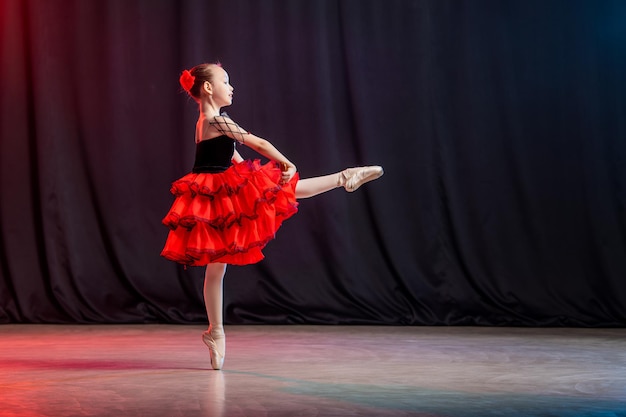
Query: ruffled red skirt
227 217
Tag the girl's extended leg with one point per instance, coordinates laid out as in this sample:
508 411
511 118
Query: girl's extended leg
308 187
214 337
350 179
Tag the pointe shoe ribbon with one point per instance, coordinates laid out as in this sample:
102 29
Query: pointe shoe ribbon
353 178
217 357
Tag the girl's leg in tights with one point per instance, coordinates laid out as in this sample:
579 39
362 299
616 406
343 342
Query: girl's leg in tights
213 301
350 179
214 338
309 187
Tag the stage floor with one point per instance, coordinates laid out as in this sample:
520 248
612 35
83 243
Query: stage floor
164 370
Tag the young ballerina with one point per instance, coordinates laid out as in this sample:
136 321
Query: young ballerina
227 209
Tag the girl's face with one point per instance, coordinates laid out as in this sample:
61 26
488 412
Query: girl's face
222 90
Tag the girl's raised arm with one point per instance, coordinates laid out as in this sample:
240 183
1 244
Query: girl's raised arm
227 126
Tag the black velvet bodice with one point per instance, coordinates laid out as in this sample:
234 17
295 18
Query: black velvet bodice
214 155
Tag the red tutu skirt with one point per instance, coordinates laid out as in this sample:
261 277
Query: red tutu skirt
227 217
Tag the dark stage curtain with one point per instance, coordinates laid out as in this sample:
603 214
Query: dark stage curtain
501 126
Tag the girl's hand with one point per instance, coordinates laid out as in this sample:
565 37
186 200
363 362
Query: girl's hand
288 171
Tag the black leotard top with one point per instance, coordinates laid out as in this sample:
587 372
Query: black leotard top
214 155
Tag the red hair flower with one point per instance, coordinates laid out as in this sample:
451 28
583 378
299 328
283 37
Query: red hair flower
187 80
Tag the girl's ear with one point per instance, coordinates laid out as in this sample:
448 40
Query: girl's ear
208 87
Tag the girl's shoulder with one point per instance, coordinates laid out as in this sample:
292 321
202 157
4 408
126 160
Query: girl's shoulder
227 126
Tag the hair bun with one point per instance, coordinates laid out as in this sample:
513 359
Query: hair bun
187 80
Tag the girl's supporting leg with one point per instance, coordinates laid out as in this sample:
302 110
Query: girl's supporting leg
350 179
214 337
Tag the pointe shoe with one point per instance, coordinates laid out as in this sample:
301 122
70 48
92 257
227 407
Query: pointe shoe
353 178
217 357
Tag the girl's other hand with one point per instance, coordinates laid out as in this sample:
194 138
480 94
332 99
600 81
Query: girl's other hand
288 171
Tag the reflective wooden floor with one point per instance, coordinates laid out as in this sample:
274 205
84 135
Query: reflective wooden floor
164 370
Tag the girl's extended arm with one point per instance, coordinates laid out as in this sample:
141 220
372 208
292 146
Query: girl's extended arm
228 127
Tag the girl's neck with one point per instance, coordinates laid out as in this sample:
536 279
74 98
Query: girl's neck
209 110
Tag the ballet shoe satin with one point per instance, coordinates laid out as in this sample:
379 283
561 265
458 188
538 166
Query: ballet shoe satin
352 178
217 357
